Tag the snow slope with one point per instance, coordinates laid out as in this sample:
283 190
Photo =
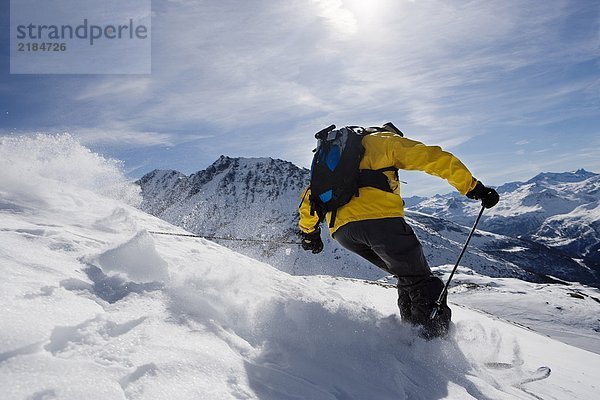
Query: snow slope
94 307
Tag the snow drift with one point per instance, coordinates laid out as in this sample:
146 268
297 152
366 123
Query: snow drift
43 168
196 320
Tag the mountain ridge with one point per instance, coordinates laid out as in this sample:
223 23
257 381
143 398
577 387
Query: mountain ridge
559 210
258 198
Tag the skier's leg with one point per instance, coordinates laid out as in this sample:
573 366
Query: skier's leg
352 238
392 245
423 295
418 289
394 241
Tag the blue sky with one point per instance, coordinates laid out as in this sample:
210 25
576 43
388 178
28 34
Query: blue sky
510 87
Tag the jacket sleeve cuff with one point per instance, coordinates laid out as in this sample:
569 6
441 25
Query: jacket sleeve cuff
473 184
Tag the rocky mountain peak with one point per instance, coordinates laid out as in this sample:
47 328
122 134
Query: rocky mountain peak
562 177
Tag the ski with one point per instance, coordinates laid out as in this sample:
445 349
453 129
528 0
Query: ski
537 375
528 376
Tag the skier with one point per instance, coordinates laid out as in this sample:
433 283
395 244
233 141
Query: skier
372 223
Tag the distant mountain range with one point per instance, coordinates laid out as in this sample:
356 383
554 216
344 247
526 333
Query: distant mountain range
542 230
558 210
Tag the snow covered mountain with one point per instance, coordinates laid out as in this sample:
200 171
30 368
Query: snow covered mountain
95 307
246 198
258 198
558 210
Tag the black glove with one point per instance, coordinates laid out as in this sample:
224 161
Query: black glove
488 196
312 241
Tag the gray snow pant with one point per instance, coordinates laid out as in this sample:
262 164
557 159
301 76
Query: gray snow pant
391 244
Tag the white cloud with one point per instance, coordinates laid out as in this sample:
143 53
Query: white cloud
115 88
262 76
120 135
426 64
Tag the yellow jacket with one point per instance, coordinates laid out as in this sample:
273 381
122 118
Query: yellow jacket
385 149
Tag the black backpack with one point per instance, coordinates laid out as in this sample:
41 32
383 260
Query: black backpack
335 176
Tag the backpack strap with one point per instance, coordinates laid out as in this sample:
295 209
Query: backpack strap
387 127
332 219
392 128
366 178
376 178
371 178
322 134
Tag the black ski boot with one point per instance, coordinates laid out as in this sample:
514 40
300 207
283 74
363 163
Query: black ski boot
417 301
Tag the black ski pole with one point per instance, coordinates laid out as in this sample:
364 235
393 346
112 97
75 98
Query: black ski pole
221 238
444 293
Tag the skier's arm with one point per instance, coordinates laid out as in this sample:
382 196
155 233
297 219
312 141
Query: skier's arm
413 155
308 222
